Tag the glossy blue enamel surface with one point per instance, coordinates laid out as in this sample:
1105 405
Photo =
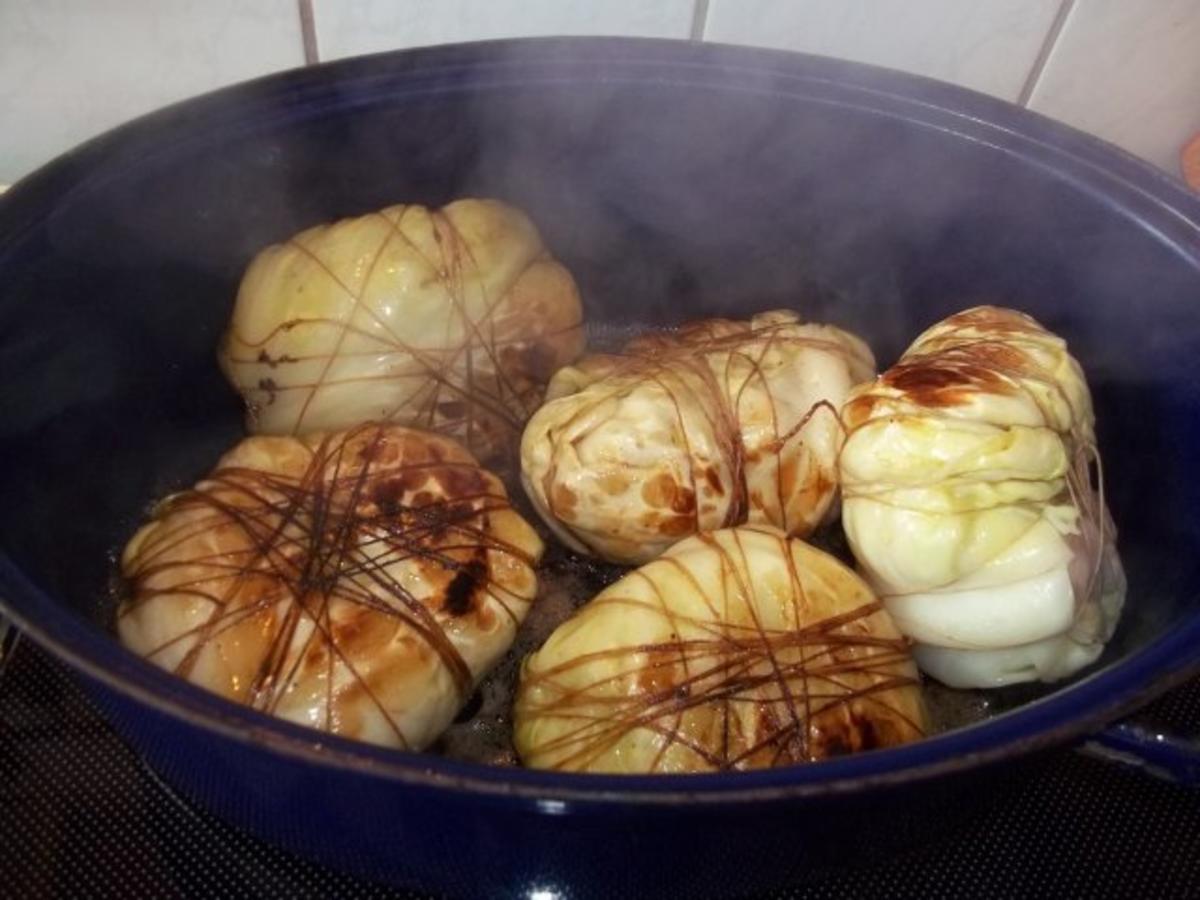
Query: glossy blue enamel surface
1162 755
674 180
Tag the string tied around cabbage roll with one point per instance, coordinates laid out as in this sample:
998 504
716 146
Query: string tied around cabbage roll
715 424
450 320
736 649
973 499
358 582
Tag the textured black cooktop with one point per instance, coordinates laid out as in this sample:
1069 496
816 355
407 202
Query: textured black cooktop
81 816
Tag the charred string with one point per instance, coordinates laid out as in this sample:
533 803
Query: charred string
308 541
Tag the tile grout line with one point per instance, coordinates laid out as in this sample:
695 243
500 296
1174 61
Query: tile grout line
1043 58
699 20
308 32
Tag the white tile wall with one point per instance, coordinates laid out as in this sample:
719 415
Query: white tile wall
348 27
989 46
1128 70
72 68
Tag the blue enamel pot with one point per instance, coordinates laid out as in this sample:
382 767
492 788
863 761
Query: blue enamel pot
675 180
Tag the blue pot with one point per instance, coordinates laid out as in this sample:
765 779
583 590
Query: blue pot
675 180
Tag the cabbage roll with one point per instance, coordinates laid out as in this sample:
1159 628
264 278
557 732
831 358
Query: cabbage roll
447 320
968 499
738 649
360 582
717 424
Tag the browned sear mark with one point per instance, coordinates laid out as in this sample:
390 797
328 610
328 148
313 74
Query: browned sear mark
463 587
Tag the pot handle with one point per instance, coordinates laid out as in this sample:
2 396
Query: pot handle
1151 748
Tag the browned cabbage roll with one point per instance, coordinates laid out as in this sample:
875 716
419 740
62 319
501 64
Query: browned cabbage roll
714 425
448 320
358 582
738 649
969 503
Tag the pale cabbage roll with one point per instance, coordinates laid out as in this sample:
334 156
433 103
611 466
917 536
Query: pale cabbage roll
447 320
738 649
717 424
968 500
360 583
